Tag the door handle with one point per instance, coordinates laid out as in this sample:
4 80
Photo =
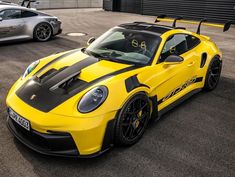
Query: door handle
191 63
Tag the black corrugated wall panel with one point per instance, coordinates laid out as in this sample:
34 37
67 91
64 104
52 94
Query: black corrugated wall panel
132 6
213 10
108 5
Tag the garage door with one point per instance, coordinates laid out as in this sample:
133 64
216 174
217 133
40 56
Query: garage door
213 10
131 6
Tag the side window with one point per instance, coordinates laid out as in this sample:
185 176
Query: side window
175 45
192 41
10 14
26 14
2 13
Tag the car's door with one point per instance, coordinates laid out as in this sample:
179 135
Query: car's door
11 23
171 81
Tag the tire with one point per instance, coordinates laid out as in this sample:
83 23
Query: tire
42 32
132 120
213 74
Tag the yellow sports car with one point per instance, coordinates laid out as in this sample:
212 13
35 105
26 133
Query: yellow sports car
84 101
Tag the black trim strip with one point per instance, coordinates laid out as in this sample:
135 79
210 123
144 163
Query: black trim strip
133 83
154 115
199 79
108 140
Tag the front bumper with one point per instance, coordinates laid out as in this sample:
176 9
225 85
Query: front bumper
57 144
88 131
57 28
59 31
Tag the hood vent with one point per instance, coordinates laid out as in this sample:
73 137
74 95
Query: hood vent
71 84
65 85
49 74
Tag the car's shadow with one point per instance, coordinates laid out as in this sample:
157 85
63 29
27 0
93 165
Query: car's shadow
62 41
26 41
16 51
62 165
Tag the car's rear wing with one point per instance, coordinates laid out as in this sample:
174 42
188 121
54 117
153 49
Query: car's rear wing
164 18
27 3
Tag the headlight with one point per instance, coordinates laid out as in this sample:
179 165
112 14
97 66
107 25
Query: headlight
93 99
30 68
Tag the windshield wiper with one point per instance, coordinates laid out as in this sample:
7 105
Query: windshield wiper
109 58
100 56
93 54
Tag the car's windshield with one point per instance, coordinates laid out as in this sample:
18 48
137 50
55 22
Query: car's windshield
125 45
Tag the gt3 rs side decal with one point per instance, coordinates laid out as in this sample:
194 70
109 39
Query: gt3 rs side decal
50 94
180 88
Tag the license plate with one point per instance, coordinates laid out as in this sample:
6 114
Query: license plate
19 120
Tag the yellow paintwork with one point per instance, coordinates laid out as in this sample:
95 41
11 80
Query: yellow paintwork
88 129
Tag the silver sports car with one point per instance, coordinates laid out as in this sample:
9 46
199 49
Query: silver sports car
17 22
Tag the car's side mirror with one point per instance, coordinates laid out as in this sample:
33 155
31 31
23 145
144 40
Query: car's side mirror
1 19
92 39
173 59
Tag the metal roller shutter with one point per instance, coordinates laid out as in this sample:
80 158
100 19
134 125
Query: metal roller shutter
131 6
108 5
213 10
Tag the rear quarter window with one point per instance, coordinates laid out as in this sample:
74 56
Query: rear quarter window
26 14
192 41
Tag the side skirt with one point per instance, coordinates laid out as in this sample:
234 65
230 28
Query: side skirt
177 102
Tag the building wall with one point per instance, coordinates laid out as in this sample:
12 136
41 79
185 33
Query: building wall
47 4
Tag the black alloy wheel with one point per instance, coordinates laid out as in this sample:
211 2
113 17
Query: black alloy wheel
213 74
132 120
42 32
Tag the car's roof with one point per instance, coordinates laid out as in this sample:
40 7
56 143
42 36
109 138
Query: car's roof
157 29
2 7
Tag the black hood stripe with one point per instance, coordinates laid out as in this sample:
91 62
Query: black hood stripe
130 68
49 95
57 59
69 72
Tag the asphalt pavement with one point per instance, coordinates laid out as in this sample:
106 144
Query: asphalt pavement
197 138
